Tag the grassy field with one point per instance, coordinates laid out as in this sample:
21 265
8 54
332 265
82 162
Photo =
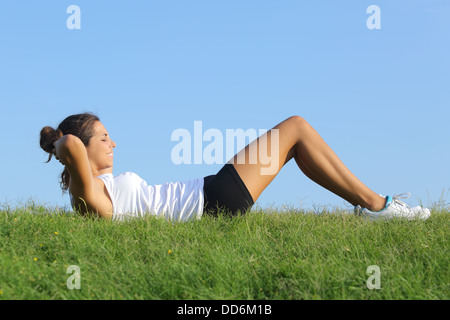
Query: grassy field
288 255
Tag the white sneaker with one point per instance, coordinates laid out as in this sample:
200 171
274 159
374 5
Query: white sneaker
396 208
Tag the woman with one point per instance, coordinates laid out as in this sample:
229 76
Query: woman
82 144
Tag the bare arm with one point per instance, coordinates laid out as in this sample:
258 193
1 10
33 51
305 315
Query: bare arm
87 190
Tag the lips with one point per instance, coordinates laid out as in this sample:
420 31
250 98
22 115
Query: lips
110 154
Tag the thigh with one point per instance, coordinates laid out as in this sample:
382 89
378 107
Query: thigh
260 161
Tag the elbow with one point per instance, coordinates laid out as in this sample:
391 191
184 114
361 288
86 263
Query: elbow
92 213
72 142
89 206
68 147
105 215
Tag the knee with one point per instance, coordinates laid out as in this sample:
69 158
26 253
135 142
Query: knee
296 118
300 127
298 122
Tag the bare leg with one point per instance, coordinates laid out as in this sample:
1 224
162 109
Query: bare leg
298 140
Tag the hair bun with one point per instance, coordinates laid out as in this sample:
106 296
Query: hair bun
48 137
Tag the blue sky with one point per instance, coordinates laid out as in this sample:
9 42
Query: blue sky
379 98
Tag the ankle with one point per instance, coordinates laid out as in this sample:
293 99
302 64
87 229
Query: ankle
377 204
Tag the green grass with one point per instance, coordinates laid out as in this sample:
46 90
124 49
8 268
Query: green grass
289 255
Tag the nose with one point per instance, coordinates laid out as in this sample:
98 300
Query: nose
113 144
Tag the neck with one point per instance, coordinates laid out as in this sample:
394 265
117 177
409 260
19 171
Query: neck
97 173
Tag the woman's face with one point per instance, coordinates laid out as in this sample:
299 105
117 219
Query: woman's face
100 150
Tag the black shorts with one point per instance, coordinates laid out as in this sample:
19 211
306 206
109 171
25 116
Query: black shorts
226 190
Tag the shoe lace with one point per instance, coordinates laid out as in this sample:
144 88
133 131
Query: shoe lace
396 198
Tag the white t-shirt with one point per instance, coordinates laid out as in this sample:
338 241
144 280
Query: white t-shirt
132 197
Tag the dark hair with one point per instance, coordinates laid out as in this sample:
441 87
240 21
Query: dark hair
79 125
